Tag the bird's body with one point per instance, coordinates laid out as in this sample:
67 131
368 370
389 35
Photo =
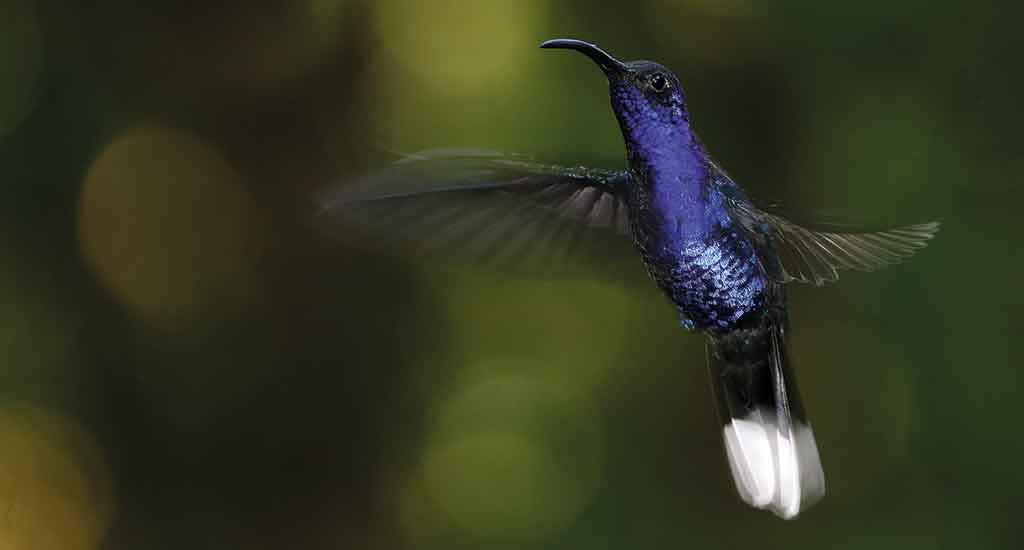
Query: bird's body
691 246
720 260
724 277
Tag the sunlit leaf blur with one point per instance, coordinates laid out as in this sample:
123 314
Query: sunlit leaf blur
188 362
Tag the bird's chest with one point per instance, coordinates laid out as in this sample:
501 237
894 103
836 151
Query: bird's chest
711 275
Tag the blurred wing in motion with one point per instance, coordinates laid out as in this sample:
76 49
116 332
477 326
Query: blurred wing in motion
482 205
816 256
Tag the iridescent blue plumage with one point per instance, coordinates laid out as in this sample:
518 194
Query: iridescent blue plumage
718 271
690 244
720 260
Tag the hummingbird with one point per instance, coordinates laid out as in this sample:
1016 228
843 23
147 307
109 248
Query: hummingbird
722 262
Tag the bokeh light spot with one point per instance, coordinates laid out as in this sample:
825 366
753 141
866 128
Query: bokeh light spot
56 490
573 323
20 62
458 47
514 459
166 224
498 485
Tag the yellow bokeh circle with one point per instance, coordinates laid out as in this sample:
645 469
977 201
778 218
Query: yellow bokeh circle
56 491
513 459
458 47
166 224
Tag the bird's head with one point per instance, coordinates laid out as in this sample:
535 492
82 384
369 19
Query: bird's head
646 97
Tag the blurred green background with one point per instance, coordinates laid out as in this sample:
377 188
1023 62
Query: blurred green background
185 363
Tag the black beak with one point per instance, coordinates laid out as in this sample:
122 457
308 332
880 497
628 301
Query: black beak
608 64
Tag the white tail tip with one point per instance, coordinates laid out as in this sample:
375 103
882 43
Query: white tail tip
773 470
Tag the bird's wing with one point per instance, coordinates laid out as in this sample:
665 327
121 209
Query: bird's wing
810 256
482 204
816 256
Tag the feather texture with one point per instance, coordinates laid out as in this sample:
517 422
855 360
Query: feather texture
769 443
483 205
816 257
813 256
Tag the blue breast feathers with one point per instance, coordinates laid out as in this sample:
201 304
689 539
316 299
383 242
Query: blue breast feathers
716 281
711 274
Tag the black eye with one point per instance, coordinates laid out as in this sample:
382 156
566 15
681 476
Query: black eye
659 82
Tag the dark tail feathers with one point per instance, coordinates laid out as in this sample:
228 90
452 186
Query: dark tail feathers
768 440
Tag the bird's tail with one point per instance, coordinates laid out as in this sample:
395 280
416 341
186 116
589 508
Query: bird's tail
768 440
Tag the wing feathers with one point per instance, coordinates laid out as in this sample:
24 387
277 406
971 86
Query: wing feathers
481 205
484 197
816 256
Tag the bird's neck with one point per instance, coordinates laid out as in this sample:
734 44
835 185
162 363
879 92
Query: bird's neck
672 166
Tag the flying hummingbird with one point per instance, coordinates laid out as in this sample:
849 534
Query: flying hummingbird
722 262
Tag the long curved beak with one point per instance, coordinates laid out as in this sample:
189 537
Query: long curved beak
608 64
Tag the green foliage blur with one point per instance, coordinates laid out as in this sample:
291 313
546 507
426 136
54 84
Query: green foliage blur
186 362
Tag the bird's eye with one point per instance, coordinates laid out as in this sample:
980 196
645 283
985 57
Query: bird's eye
659 82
